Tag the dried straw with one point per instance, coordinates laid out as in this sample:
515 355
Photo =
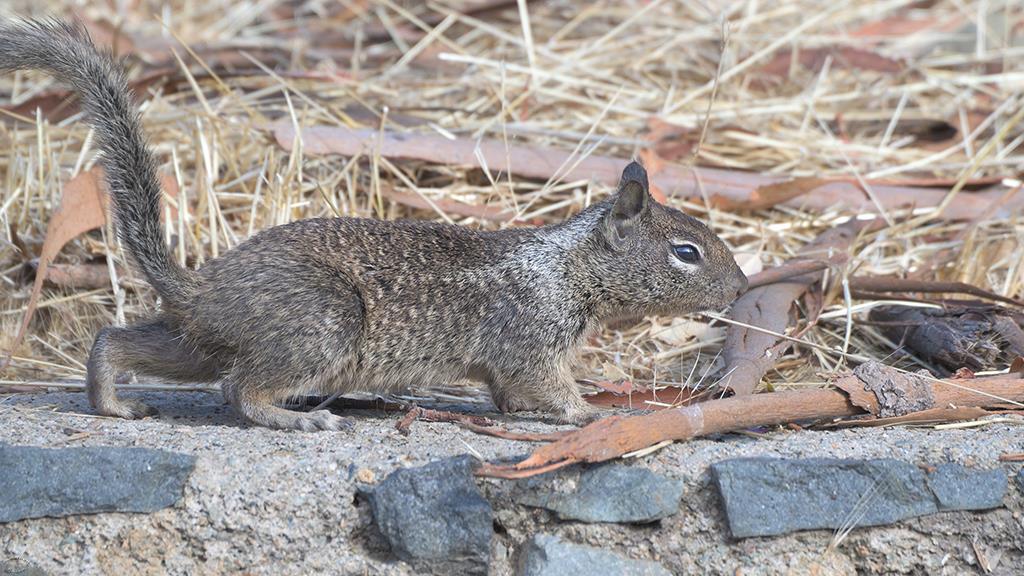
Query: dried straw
780 88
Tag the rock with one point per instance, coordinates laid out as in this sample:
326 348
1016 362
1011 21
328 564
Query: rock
609 493
1020 479
12 568
38 482
768 496
435 518
959 488
545 555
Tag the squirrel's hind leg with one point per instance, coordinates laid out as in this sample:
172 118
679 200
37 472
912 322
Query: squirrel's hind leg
257 404
145 349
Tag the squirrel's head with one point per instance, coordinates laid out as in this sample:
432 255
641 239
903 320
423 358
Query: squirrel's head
655 259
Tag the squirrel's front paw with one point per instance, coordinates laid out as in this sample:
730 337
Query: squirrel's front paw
580 414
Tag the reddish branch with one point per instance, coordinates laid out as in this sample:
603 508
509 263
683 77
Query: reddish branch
499 432
428 415
612 437
888 284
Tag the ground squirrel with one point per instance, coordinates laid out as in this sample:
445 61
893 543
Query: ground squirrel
344 304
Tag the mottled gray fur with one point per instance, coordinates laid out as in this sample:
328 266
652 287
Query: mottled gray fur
335 305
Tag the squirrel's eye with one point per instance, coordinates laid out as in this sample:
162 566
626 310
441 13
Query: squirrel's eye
687 253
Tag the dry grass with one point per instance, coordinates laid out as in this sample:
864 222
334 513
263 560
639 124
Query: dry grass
577 76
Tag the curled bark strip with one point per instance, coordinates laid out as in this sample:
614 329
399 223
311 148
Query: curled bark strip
746 351
544 163
930 416
612 437
895 393
84 276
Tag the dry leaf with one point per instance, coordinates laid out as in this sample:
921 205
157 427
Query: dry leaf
613 372
678 331
616 387
905 24
1017 365
447 205
82 208
750 264
813 59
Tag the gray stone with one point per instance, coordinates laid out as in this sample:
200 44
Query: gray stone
768 496
38 482
1020 479
959 488
12 568
609 493
545 555
435 518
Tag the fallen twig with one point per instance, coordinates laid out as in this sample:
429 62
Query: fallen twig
405 423
890 284
933 416
612 437
428 415
499 432
647 397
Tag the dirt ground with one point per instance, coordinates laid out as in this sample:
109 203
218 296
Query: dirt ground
270 502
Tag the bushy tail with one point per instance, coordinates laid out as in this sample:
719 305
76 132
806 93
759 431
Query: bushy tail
66 52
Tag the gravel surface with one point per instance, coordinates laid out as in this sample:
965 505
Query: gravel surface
271 502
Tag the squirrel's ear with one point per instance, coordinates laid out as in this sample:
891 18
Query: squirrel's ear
631 202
